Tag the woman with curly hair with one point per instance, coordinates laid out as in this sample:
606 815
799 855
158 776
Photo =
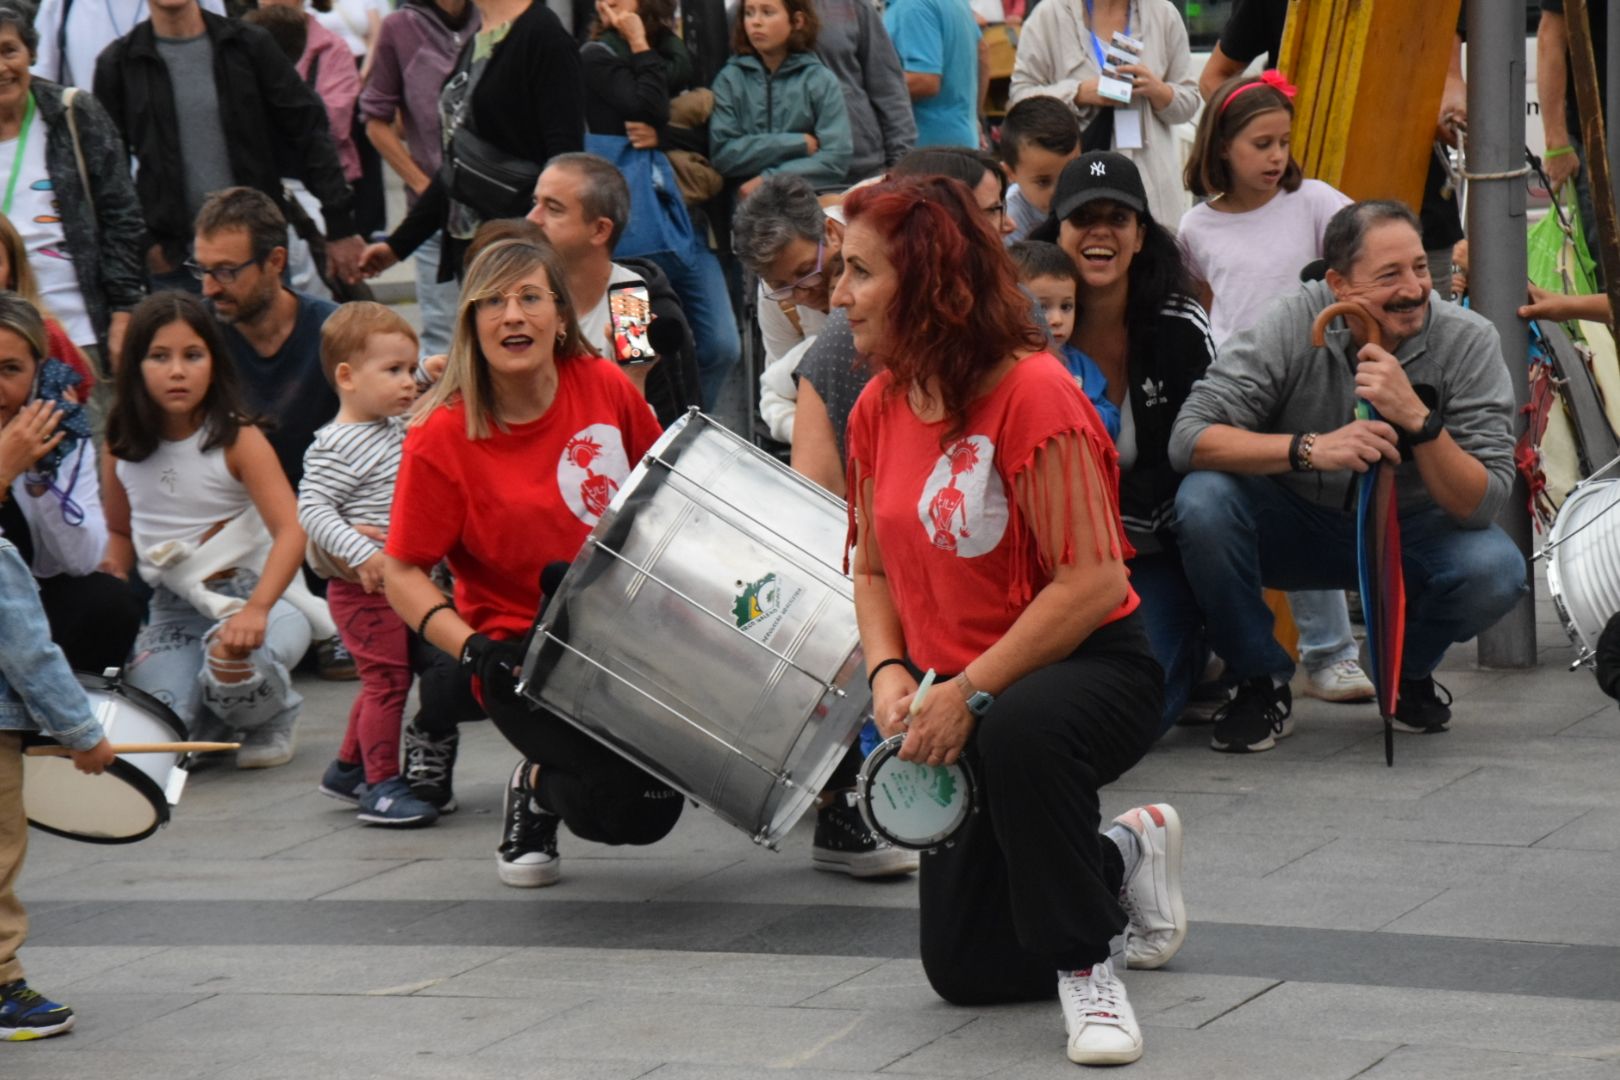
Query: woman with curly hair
988 547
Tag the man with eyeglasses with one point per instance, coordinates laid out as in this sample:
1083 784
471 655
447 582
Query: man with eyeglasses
240 254
1272 452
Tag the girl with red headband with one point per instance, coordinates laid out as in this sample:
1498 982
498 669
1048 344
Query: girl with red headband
1262 224
988 547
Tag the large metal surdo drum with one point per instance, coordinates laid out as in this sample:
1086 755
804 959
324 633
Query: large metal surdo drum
1583 561
706 631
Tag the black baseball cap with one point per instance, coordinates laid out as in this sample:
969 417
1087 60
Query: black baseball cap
1099 174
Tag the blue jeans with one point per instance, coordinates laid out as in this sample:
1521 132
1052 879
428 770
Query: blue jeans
1458 581
437 300
1174 624
1323 619
698 280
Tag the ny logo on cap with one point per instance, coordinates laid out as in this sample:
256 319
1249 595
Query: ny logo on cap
1097 169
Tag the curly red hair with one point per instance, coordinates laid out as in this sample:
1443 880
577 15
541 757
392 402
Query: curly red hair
960 311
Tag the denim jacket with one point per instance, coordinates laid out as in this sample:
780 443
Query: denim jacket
37 689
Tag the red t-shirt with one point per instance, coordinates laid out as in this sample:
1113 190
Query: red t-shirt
500 509
961 561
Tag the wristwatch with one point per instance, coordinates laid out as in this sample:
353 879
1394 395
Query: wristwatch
978 701
1432 426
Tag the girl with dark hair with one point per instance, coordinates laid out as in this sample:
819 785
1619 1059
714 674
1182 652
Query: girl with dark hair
776 107
192 487
1262 224
987 546
1137 319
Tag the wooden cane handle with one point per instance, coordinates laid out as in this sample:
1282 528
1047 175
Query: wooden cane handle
46 750
1352 312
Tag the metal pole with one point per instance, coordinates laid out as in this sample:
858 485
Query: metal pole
1611 99
1497 263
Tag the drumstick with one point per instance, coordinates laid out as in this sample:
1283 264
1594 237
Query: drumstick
922 692
142 748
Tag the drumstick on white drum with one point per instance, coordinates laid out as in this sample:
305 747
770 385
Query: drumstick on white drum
922 692
142 748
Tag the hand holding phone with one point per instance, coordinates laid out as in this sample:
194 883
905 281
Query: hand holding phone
629 316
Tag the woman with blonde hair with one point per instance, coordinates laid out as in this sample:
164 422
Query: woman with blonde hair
18 276
511 460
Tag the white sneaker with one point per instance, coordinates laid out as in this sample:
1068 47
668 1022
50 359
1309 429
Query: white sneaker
1098 1017
268 747
1343 681
1152 892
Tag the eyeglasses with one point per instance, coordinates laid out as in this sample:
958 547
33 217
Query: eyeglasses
531 301
222 274
809 281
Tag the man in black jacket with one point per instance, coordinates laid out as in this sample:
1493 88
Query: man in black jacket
249 119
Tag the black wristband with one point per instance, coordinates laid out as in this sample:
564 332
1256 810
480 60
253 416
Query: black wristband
872 676
1294 461
421 627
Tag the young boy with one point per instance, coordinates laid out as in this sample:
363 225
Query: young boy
37 693
1052 279
369 354
1039 136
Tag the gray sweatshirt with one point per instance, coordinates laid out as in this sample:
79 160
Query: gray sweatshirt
854 44
1269 378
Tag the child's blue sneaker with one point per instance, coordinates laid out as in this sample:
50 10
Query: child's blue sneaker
343 782
27 1014
392 803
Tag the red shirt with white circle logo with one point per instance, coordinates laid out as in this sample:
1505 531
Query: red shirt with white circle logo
961 561
501 509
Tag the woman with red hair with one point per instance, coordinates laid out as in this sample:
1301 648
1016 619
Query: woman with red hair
988 546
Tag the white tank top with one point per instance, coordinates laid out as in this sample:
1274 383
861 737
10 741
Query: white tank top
179 493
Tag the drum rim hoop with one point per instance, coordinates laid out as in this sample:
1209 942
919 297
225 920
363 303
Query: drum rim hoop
880 756
130 775
117 686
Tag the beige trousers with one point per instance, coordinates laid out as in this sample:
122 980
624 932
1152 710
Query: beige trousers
13 846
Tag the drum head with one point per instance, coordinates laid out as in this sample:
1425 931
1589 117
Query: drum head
120 806
127 802
910 805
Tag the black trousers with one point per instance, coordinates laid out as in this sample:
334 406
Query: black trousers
599 795
94 618
1030 886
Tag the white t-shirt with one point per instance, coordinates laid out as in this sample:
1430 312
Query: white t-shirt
349 20
35 214
1251 259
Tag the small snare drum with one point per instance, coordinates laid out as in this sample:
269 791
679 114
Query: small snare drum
911 805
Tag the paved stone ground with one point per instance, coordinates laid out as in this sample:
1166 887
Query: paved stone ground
1454 916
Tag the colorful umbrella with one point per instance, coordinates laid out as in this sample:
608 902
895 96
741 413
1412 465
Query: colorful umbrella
1378 545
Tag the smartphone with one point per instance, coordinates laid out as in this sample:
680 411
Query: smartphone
629 316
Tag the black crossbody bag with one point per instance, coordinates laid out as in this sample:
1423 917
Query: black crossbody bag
476 172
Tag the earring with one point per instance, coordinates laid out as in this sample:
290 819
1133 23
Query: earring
562 336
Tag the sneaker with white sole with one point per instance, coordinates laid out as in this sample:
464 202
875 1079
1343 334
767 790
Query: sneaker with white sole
1341 681
844 845
1098 1017
343 782
527 857
392 804
1259 714
268 746
429 761
1151 893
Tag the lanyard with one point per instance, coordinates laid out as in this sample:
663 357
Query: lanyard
17 161
1096 42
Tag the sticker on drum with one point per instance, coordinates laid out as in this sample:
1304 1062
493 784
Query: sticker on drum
911 805
128 802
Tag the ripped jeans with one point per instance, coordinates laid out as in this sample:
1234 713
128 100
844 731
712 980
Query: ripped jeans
171 663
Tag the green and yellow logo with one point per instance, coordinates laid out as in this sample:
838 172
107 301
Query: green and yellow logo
758 600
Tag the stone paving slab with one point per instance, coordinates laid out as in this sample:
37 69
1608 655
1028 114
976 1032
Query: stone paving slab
1450 1063
1518 910
703 978
52 1061
1178 1055
474 879
1504 1022
213 879
739 1035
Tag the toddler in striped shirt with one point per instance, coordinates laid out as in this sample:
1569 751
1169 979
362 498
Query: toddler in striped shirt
369 354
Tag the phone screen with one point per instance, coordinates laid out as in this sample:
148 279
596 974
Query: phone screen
629 314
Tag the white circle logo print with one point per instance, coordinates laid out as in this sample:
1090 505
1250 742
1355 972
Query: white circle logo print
592 466
963 505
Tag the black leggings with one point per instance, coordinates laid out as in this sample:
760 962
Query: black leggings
94 619
599 795
1029 886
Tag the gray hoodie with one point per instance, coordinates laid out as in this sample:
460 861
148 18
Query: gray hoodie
1269 378
854 44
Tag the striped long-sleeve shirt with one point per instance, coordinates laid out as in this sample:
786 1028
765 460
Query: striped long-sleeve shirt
349 474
